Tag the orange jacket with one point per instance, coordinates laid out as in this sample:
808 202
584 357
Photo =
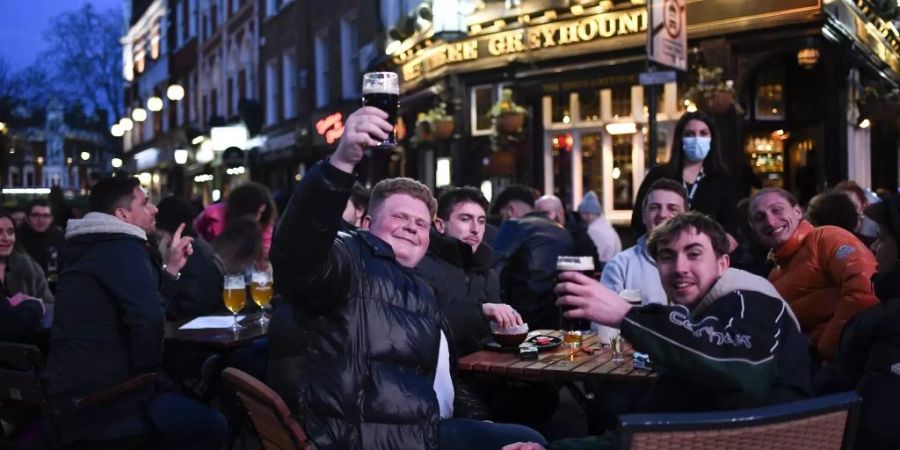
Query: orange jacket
825 274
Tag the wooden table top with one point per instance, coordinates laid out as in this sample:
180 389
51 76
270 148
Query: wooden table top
217 338
557 364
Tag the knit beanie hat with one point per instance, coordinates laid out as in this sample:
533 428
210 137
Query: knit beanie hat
590 204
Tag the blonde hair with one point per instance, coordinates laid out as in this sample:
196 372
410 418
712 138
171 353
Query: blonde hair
401 185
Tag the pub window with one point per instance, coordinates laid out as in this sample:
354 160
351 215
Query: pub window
589 105
770 94
271 92
350 78
560 108
322 70
562 164
621 172
621 101
662 147
482 98
592 162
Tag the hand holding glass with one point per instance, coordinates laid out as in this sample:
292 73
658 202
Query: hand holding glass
382 90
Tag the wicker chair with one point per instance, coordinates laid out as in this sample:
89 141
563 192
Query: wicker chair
822 423
276 429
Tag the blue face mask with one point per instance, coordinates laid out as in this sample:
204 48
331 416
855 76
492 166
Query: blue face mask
696 148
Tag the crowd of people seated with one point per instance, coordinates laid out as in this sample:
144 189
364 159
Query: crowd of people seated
744 302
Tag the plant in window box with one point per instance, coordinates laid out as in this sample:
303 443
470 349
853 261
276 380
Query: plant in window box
508 117
424 131
713 94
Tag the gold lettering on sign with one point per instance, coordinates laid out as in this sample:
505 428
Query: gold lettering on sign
587 29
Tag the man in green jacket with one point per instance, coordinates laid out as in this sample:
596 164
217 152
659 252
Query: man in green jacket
727 341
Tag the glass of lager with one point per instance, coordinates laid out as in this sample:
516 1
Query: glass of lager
382 90
575 328
261 292
234 294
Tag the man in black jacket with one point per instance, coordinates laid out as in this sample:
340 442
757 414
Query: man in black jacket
375 370
109 325
457 265
525 254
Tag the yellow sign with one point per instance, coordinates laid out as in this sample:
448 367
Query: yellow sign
416 64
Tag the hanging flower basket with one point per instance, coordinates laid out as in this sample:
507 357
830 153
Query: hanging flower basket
508 117
712 94
502 163
443 128
510 122
718 102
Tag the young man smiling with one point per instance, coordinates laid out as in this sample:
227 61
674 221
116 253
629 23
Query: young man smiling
824 273
727 342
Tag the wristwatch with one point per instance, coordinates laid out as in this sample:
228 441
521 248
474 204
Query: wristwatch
177 276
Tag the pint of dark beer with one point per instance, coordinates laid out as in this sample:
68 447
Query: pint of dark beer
585 265
382 90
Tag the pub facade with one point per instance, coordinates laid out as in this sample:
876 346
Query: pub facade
546 93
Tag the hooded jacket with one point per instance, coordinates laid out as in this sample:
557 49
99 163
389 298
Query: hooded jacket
108 323
739 347
825 274
525 254
463 282
367 330
634 268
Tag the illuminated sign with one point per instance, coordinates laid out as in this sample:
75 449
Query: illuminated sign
331 127
416 63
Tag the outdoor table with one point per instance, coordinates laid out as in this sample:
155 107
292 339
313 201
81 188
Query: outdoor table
217 339
557 364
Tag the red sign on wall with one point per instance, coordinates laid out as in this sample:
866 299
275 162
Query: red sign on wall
331 127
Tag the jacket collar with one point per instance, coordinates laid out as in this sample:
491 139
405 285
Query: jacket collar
97 223
457 252
739 280
793 243
379 247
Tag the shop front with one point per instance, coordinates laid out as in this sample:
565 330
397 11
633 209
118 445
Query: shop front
573 72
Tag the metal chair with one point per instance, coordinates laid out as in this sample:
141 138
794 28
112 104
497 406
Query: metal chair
22 382
821 423
276 429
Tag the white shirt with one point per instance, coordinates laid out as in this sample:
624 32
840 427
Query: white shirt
443 383
605 239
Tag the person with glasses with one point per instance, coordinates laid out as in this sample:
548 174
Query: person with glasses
41 238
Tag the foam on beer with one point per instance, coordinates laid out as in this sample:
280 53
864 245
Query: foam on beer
574 263
391 89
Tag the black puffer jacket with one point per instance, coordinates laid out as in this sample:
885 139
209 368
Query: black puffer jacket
525 254
368 328
462 283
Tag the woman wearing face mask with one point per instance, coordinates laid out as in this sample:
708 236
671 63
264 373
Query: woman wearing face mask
697 163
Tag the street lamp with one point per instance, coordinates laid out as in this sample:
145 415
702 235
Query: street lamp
154 104
175 92
85 156
115 162
126 124
116 130
2 127
181 156
139 114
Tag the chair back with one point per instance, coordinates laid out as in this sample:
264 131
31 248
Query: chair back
276 429
21 371
822 423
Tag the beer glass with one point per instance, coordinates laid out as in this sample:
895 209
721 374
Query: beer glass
633 297
234 294
382 90
575 328
261 291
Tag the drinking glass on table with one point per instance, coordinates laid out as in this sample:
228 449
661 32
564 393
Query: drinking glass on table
261 291
234 295
633 297
575 329
382 90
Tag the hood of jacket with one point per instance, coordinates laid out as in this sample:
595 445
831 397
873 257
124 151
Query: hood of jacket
739 280
101 223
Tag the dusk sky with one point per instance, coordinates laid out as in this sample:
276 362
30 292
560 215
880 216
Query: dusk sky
22 25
